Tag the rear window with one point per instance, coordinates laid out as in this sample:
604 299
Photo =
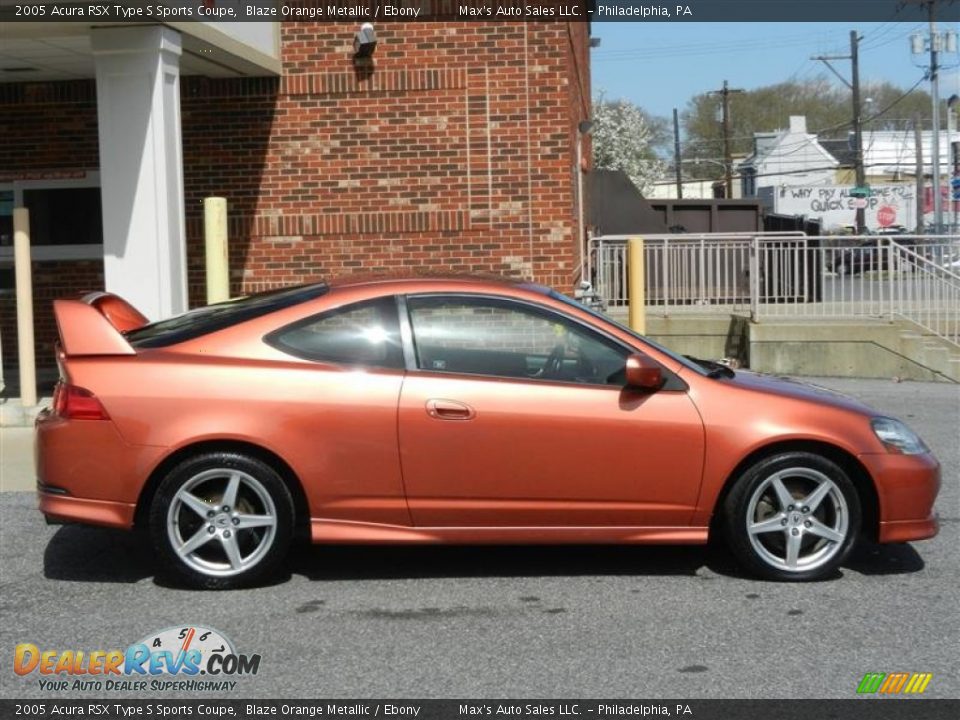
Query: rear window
211 318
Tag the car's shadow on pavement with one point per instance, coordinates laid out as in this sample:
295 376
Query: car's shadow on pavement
872 559
85 554
383 562
88 554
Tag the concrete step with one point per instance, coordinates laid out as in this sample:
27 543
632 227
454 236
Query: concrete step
936 357
912 345
930 351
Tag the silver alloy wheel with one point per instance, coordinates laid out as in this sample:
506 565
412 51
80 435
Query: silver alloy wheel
797 519
221 522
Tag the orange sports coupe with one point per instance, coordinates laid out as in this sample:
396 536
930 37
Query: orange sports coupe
452 410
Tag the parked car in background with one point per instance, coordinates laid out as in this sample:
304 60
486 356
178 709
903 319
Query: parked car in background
866 257
892 230
452 410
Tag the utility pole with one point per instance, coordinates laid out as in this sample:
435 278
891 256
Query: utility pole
854 85
725 120
938 42
935 94
861 175
676 154
918 144
953 159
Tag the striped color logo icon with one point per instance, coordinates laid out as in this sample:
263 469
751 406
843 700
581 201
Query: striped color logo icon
898 683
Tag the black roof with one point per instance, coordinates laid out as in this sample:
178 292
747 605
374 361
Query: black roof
841 150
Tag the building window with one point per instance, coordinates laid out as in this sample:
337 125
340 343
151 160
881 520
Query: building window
6 218
64 216
66 220
749 176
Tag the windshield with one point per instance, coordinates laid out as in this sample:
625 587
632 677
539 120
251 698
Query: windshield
605 318
210 318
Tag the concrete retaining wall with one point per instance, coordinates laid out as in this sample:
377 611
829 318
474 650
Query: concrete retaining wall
867 349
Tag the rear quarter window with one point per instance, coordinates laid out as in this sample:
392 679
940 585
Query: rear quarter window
211 318
365 334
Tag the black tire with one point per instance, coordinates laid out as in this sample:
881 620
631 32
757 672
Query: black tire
755 500
258 551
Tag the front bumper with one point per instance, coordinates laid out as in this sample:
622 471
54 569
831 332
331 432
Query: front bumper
897 531
907 487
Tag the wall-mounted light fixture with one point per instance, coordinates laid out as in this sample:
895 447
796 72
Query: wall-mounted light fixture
365 41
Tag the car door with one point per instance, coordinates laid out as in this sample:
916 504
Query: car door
516 416
337 419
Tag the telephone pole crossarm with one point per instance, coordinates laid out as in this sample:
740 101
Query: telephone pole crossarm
825 59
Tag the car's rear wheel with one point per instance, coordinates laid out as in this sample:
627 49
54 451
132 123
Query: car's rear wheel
792 516
222 520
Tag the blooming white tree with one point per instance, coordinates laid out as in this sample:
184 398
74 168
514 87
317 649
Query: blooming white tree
623 137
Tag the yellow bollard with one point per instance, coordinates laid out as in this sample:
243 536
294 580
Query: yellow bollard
23 272
637 285
217 253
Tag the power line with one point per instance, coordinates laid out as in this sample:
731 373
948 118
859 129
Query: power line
699 48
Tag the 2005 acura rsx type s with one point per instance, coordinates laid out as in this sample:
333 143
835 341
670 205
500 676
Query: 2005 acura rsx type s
451 410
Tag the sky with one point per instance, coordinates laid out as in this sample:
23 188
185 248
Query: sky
660 66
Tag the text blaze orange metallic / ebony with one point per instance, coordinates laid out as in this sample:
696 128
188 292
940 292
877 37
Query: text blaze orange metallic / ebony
452 410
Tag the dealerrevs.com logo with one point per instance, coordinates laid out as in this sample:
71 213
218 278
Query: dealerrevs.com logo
191 658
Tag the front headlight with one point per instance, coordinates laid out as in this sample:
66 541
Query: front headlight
897 437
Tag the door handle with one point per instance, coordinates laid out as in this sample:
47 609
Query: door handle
449 410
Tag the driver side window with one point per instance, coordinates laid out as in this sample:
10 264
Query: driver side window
489 336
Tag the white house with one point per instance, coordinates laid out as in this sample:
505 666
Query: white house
787 158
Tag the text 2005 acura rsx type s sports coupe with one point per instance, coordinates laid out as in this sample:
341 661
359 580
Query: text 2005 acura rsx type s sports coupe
452 411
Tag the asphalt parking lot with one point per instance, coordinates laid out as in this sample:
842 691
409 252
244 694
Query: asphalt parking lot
626 622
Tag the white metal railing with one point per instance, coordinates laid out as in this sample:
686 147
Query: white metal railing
790 275
683 272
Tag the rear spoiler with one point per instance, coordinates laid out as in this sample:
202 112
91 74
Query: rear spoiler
95 323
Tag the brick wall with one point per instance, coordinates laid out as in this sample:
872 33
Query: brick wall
455 152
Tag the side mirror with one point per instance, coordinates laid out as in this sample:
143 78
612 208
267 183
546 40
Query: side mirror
643 373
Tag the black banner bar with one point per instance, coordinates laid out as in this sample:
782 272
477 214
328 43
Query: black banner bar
141 11
873 708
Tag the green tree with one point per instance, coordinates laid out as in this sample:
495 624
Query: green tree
626 138
888 107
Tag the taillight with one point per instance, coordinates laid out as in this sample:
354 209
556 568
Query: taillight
76 403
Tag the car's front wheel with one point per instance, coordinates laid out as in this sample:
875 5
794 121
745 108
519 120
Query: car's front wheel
792 516
222 520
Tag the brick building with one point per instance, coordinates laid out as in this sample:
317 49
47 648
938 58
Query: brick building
457 150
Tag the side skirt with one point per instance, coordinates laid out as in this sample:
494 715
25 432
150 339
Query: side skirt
348 532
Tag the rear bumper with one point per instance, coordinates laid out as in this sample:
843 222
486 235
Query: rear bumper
86 473
59 508
907 487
